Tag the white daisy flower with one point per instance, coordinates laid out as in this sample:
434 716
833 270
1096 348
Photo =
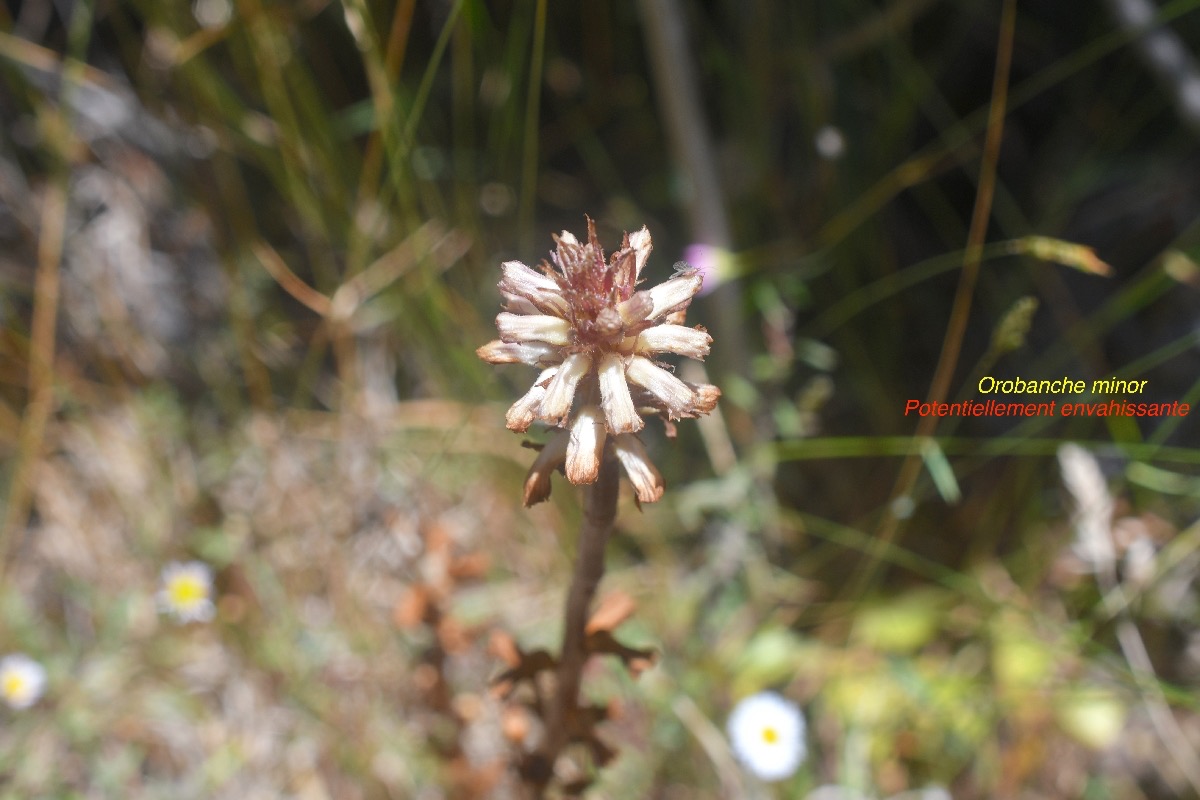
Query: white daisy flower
22 680
186 592
767 734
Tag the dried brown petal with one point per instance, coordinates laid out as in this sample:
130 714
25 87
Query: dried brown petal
503 646
552 456
410 610
613 609
707 396
642 245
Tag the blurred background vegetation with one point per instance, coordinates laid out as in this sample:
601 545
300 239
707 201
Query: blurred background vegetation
248 248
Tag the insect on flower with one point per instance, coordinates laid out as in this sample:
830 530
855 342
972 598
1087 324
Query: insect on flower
595 337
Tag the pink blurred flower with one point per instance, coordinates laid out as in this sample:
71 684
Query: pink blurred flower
711 262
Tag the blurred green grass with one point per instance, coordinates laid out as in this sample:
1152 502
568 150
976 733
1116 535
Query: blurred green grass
330 188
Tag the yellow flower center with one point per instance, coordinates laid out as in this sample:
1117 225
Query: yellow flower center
14 685
186 591
770 735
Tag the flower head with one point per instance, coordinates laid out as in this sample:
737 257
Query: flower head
22 680
767 734
186 591
595 336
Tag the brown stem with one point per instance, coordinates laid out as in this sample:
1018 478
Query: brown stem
599 513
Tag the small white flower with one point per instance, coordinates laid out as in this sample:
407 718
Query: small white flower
767 734
830 143
186 592
22 680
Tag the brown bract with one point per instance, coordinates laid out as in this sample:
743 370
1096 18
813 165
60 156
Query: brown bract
595 336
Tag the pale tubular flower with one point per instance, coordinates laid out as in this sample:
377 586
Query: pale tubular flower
186 591
584 322
641 244
515 304
645 477
522 413
636 309
535 354
533 328
679 291
677 339
561 391
585 445
538 290
766 732
22 680
619 410
673 393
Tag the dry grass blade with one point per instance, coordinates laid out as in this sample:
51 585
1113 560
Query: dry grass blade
41 367
291 282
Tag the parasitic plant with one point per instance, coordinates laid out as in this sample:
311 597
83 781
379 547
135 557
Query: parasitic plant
583 321
595 335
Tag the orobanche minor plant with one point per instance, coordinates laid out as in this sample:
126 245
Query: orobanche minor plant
595 335
583 321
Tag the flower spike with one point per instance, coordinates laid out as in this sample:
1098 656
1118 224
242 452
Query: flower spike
595 336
